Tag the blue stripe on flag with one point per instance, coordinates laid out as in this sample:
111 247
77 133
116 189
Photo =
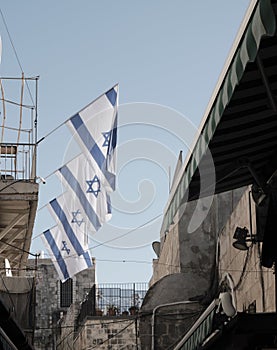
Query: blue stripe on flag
88 259
114 133
113 140
67 228
92 147
109 207
57 253
112 95
74 184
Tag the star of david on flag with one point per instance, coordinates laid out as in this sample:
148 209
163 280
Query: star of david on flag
75 219
61 209
95 130
63 253
88 179
94 186
107 136
65 247
89 196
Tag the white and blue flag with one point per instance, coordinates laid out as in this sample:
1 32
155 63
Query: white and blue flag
71 229
95 130
88 194
65 253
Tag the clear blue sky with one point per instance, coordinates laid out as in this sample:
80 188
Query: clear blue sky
166 55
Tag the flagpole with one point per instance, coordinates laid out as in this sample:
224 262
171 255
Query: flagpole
59 126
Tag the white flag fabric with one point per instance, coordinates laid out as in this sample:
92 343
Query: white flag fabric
95 130
87 192
0 49
64 255
71 230
67 214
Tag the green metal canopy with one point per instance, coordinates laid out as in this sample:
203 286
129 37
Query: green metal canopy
237 145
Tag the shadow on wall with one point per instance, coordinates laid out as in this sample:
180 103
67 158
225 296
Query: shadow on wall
170 307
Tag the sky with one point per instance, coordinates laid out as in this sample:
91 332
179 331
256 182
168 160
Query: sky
166 57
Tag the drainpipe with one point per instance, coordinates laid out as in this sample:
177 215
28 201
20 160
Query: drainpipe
153 317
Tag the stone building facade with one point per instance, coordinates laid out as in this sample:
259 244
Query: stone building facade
53 302
197 267
182 252
252 285
106 333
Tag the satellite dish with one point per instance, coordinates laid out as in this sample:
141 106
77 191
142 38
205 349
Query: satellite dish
227 304
8 268
156 247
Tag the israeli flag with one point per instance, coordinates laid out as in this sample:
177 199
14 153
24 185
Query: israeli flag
87 191
63 253
95 130
67 214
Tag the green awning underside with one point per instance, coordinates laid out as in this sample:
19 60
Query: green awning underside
241 127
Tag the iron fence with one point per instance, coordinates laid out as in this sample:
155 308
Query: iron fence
113 299
121 298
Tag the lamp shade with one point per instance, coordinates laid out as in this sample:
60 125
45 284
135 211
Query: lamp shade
240 244
240 238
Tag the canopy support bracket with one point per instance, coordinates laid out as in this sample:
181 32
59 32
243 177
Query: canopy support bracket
266 83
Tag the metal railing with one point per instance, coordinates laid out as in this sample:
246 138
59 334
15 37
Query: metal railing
113 300
18 161
121 297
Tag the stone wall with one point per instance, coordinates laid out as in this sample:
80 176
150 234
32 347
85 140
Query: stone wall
47 301
186 269
169 259
106 333
252 285
65 328
183 251
49 314
167 323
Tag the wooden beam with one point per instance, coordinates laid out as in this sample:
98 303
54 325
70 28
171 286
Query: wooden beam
11 240
15 221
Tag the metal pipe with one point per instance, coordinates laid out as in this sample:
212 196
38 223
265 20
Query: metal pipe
153 317
198 322
250 216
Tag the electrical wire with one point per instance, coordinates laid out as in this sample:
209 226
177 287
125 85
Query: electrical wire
108 339
23 250
16 55
127 233
243 272
65 337
115 321
171 265
63 123
4 111
9 293
11 41
116 238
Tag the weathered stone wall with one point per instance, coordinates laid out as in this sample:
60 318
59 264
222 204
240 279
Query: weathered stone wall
187 266
183 251
66 327
249 281
47 301
48 310
108 333
169 260
167 323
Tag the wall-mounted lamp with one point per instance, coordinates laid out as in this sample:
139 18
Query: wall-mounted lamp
241 237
